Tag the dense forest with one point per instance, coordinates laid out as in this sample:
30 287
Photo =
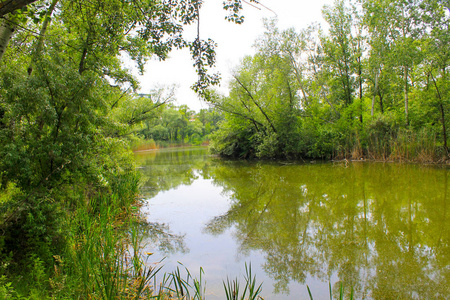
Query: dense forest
374 85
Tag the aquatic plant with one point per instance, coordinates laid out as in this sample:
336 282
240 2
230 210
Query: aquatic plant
250 291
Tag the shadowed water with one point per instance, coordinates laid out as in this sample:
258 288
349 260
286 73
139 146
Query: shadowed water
380 229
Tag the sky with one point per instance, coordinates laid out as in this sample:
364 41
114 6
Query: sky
234 42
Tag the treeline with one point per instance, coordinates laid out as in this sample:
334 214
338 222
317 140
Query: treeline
177 125
374 85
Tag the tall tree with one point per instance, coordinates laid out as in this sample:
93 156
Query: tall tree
434 20
339 53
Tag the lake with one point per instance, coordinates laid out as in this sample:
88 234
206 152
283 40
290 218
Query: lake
381 229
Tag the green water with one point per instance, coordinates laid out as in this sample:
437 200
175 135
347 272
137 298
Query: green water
381 229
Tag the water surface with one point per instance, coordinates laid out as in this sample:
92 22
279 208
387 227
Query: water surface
381 229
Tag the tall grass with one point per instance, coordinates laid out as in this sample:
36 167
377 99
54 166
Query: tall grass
180 285
250 291
101 261
386 140
142 145
415 146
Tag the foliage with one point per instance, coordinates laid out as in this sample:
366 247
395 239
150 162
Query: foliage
67 106
172 124
366 88
67 178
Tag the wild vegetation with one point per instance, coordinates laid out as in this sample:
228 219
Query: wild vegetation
375 85
68 184
69 215
176 125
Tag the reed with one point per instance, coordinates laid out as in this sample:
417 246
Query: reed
406 145
142 145
250 291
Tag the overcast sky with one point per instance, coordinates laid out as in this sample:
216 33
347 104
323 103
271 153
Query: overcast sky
234 42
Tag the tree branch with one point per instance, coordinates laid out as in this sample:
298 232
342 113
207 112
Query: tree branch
256 103
8 6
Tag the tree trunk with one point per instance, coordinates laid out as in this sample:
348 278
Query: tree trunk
442 111
6 32
375 92
40 42
360 90
81 67
405 78
444 130
381 102
405 70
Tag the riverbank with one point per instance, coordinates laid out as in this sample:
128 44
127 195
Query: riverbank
403 146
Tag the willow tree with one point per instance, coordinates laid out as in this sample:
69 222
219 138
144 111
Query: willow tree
262 109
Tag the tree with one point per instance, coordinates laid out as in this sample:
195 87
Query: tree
435 23
210 119
339 54
392 31
66 103
264 100
377 28
9 6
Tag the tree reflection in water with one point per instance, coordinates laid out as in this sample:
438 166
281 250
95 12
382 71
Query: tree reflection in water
162 171
161 237
382 229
